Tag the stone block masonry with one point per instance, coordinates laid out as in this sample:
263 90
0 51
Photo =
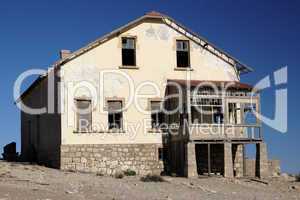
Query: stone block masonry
191 170
228 163
238 161
262 168
109 158
273 167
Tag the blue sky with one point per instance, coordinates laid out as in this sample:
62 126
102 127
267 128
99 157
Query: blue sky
262 34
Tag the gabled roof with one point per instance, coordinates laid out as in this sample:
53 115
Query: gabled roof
153 15
242 68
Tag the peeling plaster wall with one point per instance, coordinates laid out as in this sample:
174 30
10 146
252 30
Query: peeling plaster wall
156 62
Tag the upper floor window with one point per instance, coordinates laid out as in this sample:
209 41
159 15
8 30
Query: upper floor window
156 114
128 51
183 53
115 115
83 115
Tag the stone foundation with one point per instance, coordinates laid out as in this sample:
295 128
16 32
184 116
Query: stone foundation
238 160
109 158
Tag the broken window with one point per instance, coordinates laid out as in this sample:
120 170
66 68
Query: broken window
156 114
115 115
249 113
128 52
207 111
233 111
84 115
183 53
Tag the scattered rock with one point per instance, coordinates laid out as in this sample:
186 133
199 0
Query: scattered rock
168 179
71 191
293 187
190 185
152 178
56 184
285 176
119 175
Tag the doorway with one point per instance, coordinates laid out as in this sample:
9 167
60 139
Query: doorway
210 159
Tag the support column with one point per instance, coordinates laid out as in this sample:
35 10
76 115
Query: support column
239 160
228 164
191 165
261 160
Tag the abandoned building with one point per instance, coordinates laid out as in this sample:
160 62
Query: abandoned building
209 132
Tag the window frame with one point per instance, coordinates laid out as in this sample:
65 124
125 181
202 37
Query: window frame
77 116
188 51
134 39
113 115
156 113
212 105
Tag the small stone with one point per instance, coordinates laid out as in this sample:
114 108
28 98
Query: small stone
285 175
168 198
83 160
293 187
71 191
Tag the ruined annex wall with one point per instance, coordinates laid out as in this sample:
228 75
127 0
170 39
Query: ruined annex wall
40 134
274 167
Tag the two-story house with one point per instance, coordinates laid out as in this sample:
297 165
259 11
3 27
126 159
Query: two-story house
151 96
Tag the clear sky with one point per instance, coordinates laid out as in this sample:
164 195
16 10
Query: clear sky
262 34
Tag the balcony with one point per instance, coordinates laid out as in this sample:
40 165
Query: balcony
216 110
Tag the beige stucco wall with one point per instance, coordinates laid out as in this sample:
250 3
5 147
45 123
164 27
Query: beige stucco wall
156 62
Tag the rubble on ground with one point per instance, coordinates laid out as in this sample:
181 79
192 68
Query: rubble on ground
18 180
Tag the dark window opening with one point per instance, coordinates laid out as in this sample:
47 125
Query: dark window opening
128 52
217 115
182 53
115 115
157 115
84 115
161 152
206 115
210 158
196 116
